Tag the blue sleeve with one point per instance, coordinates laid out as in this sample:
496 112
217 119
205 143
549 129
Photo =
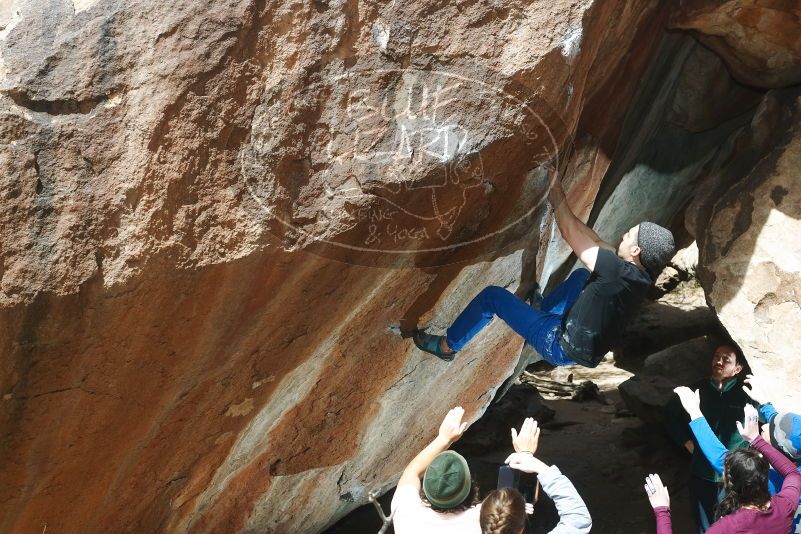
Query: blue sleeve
710 445
768 412
774 481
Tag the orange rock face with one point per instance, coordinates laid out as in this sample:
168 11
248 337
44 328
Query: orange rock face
760 41
213 216
216 218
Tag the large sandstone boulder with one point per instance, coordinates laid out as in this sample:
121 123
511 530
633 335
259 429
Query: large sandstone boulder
646 396
683 363
215 216
759 40
750 246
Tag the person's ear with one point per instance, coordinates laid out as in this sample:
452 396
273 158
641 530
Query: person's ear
739 368
635 251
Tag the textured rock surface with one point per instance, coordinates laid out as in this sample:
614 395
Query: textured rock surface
750 249
191 340
682 363
215 218
646 396
673 138
759 40
678 365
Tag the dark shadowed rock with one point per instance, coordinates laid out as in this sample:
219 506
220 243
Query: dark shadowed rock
757 40
645 396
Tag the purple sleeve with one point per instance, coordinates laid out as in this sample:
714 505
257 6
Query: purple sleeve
780 463
724 525
787 498
663 523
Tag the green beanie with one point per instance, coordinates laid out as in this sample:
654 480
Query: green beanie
446 482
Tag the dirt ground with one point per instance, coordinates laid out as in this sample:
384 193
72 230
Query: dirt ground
604 451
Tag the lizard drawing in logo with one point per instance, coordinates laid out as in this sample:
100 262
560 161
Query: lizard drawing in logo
397 156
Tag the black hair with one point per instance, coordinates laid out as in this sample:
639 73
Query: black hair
739 356
472 499
745 481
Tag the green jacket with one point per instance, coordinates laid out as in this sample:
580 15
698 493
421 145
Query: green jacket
721 408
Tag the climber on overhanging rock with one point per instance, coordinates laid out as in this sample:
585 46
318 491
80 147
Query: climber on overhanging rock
582 318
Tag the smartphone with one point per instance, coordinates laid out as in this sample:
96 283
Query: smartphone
508 477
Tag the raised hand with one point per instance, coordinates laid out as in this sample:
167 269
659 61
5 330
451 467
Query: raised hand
690 400
749 429
452 426
528 438
757 389
525 462
657 492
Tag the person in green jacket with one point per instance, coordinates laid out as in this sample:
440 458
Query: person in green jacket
722 403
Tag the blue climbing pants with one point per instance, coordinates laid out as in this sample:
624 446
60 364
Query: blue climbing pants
540 328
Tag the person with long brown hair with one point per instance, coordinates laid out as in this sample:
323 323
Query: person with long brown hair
504 511
720 400
782 430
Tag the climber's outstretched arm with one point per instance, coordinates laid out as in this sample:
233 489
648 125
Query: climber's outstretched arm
581 238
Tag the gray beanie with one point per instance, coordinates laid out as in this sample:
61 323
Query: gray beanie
656 247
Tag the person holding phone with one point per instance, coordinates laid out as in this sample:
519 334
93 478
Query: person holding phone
504 510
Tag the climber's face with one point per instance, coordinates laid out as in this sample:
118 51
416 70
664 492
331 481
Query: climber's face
628 248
